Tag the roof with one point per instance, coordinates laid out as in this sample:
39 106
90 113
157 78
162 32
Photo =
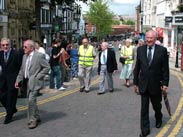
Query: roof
122 26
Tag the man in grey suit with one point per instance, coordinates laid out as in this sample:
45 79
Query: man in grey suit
34 68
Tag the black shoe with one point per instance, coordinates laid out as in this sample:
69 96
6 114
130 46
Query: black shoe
39 94
111 90
82 89
38 121
144 134
22 96
158 124
100 93
86 91
7 120
15 111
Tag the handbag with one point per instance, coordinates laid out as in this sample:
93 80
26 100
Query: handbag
122 60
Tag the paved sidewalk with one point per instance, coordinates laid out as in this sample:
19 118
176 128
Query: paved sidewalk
172 65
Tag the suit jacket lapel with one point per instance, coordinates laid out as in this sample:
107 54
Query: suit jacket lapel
10 56
145 55
33 58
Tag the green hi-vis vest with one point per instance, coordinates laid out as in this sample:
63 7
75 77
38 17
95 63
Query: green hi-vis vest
86 55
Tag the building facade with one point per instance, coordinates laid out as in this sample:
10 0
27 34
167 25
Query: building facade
15 17
167 15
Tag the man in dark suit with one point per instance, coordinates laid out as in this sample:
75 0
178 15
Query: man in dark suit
106 66
9 61
151 78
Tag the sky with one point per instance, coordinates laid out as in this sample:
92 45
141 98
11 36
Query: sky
120 7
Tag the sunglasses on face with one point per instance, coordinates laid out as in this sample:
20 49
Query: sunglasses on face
5 45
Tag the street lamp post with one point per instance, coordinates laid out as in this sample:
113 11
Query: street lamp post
177 54
177 49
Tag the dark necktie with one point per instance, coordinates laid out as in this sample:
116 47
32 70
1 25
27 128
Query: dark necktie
6 56
149 57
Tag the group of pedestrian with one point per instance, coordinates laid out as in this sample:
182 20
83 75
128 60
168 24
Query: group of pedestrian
148 62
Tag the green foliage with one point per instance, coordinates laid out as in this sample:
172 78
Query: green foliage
129 22
180 7
100 16
116 22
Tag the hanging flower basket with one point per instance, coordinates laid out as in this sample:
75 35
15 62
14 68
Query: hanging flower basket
180 7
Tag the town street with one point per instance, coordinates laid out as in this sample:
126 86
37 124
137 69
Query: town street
71 113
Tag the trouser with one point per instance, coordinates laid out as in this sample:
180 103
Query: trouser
84 76
156 103
8 98
23 88
32 112
74 67
103 74
55 72
63 73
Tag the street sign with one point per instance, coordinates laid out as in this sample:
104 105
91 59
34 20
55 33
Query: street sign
179 19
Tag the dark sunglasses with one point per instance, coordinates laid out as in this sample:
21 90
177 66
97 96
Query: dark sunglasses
5 45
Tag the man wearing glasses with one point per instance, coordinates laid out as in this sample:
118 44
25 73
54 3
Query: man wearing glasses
10 66
34 68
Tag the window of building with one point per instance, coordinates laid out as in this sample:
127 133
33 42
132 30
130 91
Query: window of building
1 30
12 0
1 4
45 16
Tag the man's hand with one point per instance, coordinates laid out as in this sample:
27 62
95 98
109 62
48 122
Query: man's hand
17 85
136 89
164 89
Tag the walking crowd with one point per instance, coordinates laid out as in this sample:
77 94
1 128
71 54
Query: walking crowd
143 62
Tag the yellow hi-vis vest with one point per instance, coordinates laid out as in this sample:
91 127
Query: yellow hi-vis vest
86 55
128 52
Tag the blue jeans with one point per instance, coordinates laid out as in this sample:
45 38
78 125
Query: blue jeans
55 73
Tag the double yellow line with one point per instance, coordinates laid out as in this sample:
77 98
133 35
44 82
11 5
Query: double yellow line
58 96
178 125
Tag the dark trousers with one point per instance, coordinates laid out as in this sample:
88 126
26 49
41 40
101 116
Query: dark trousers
23 88
8 98
156 103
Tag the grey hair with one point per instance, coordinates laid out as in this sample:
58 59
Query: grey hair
6 39
31 43
141 40
106 43
129 40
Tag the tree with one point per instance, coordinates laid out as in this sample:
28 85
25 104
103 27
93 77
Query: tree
116 22
129 22
100 16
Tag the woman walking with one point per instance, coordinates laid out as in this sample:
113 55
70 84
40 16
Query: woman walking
127 52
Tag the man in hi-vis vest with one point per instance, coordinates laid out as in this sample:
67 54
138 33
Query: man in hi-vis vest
86 58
